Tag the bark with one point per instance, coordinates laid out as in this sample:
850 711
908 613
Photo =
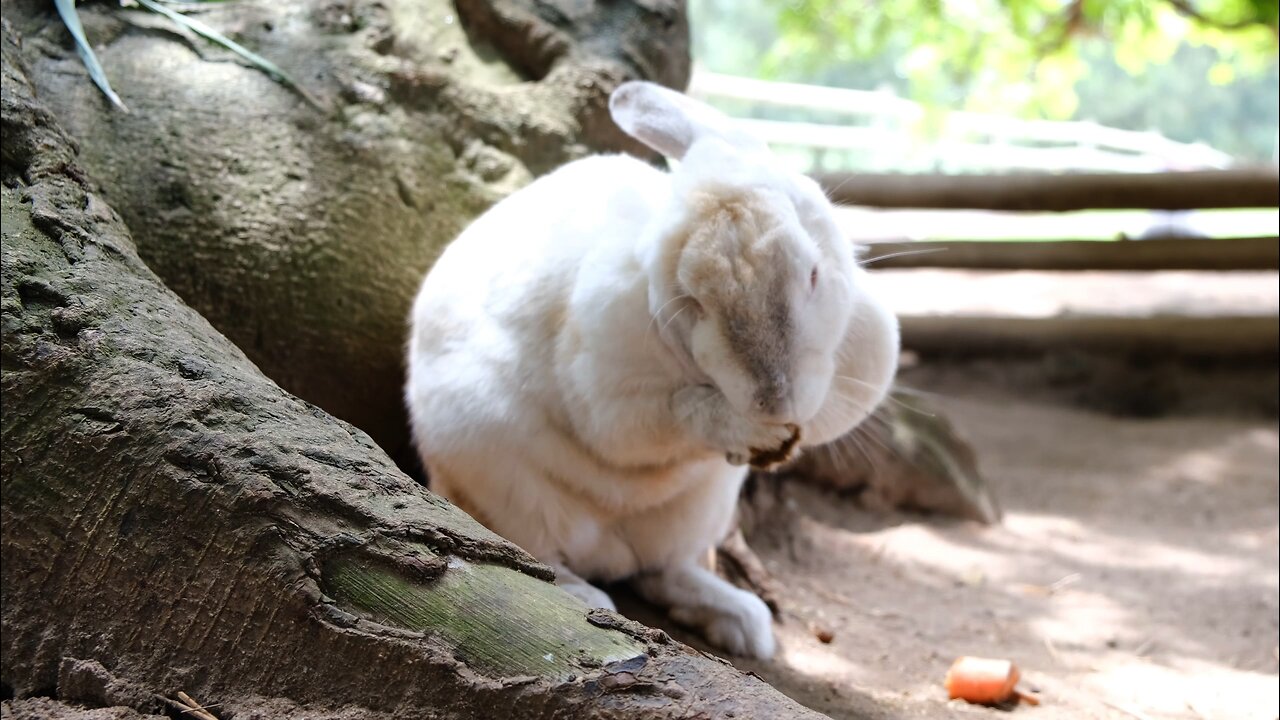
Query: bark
173 520
1259 253
1060 193
302 235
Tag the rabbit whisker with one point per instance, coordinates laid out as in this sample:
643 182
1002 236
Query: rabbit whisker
831 192
658 313
856 441
845 451
888 396
654 319
854 401
865 433
917 391
672 318
922 251
871 419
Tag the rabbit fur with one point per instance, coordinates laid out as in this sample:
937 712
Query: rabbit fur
593 359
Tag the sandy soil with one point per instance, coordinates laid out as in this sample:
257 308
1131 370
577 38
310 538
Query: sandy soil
1134 575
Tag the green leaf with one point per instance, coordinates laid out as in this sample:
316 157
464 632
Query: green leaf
71 18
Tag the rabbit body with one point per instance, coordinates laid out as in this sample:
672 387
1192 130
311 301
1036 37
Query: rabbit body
560 392
540 394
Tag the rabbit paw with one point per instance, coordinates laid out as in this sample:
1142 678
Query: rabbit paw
589 594
741 624
728 617
772 455
774 446
707 414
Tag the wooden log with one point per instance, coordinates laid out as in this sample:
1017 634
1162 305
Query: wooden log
1253 253
1201 189
1230 336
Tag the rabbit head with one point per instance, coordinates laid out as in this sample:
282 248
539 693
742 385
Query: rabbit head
752 285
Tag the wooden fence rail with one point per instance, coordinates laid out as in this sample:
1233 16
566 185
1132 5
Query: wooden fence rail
1257 253
1231 336
1193 190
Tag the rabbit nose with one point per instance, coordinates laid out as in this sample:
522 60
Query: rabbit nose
773 400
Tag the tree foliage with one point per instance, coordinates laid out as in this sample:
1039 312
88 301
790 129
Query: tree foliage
1182 101
1027 57
1019 55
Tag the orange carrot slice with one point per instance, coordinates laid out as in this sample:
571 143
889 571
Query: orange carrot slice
982 680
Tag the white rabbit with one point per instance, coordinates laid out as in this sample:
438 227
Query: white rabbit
593 359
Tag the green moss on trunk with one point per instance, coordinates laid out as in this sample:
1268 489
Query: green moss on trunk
498 621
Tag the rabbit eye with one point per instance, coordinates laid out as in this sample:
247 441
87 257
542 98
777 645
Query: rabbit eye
813 279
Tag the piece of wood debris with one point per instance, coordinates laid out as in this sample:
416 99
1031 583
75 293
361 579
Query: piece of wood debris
193 708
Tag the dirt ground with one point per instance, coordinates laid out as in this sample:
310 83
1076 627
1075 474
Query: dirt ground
1134 574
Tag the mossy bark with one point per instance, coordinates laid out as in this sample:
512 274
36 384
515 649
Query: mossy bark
173 520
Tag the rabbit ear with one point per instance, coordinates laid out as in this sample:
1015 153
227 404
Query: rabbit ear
670 122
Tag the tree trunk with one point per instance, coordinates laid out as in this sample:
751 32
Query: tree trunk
172 520
301 234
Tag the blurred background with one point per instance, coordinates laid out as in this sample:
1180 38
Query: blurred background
1000 87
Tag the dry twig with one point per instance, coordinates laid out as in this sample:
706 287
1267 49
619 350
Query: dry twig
189 705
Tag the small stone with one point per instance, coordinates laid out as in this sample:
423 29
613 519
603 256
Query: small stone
824 634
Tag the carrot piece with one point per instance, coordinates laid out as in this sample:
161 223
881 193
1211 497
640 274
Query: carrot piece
982 680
